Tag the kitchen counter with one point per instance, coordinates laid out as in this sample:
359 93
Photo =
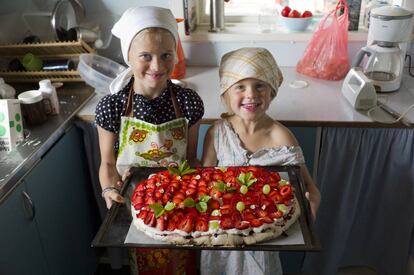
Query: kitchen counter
321 103
39 139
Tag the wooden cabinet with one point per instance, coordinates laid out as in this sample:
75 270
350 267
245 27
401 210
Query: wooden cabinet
64 217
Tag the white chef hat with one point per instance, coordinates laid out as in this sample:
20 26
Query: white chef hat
249 63
136 19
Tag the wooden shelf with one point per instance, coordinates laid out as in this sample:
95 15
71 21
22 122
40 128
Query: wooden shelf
44 50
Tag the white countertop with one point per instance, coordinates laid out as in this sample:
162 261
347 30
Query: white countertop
320 103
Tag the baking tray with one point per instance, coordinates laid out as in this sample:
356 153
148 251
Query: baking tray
116 224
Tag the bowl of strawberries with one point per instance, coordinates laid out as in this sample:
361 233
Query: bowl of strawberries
294 20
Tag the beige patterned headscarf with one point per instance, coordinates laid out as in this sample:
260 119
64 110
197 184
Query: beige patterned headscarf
249 63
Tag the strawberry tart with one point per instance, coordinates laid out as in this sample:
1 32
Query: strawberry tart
221 206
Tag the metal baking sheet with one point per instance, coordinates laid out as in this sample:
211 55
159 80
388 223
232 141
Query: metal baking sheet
116 225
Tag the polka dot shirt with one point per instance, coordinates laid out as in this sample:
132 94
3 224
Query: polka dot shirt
156 111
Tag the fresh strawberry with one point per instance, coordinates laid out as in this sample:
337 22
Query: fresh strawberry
266 219
186 177
242 225
202 183
171 225
149 201
214 218
236 217
215 194
138 206
149 192
151 183
150 219
235 199
166 198
276 197
226 209
256 222
213 204
218 176
226 222
180 195
138 200
261 213
190 191
206 175
227 197
306 14
201 225
141 187
171 189
191 212
202 189
276 215
294 14
285 11
248 215
177 200
161 223
186 224
142 214
285 191
158 194
269 206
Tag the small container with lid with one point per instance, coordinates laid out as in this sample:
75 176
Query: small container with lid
6 91
49 91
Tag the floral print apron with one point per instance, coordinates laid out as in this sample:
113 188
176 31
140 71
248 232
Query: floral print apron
145 144
151 145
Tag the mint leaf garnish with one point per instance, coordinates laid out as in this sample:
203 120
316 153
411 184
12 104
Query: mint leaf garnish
201 206
188 202
183 169
158 209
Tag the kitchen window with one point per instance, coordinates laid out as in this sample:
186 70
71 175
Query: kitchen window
248 13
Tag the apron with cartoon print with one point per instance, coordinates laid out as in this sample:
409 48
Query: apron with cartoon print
144 144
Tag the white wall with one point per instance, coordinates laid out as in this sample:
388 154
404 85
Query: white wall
104 13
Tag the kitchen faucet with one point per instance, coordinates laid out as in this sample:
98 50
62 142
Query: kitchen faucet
216 15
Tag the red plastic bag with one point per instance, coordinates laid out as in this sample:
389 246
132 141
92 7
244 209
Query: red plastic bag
326 56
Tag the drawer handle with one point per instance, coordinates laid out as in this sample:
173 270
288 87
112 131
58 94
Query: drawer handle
28 206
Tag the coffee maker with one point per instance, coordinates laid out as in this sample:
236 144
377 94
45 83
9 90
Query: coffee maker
382 60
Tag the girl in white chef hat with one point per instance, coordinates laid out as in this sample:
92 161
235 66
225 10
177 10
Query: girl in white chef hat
146 119
249 81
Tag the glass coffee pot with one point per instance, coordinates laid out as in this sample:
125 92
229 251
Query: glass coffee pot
383 64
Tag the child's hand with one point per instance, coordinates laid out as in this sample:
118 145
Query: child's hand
113 196
314 199
125 175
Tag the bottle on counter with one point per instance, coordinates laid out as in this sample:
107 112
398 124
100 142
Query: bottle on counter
6 91
372 4
268 17
49 91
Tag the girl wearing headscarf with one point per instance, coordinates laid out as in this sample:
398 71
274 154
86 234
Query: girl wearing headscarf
146 119
249 81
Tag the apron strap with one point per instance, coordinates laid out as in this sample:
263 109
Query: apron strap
177 109
129 109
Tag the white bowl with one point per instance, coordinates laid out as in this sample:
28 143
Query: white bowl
98 71
296 24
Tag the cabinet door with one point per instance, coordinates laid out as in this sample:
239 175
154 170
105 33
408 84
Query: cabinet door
20 249
65 211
